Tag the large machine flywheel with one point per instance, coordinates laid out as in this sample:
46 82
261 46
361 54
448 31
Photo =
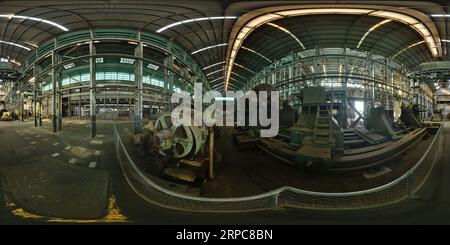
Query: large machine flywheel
184 139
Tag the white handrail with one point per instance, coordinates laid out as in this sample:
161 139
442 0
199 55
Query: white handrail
275 193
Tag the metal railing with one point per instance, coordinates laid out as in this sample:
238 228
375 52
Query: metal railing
403 187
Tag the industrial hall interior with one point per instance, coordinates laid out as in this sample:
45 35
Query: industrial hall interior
224 112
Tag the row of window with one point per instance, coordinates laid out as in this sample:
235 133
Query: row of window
109 75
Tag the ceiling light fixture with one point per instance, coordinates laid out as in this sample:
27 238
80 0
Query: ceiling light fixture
216 79
234 73
68 66
15 44
253 51
152 66
12 16
245 68
410 46
372 29
254 23
209 47
440 15
126 60
194 20
214 72
218 63
288 32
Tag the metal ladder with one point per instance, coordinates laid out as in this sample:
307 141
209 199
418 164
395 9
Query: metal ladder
322 127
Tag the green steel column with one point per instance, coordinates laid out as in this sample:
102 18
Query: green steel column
185 83
79 103
344 99
68 104
138 109
92 102
35 94
59 93
54 95
168 78
21 105
40 105
193 80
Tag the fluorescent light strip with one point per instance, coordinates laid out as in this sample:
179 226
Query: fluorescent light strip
440 15
220 85
288 32
234 73
31 44
209 47
372 29
218 63
193 20
68 66
233 86
215 79
236 80
15 44
410 46
254 23
152 66
12 16
214 72
126 60
445 40
253 51
8 60
245 68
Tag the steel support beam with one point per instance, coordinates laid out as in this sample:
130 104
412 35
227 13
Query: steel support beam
35 95
92 102
168 78
59 93
21 105
54 94
138 74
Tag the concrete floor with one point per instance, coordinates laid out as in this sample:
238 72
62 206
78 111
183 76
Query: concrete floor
122 205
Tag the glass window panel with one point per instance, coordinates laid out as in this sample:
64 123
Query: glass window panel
85 77
100 76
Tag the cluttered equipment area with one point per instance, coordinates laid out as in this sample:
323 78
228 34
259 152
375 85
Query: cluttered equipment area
312 150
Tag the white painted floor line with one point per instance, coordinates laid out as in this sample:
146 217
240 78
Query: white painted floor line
73 160
55 154
92 164
67 147
34 142
97 153
56 143
96 142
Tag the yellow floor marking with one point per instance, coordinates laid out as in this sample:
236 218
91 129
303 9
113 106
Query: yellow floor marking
113 214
